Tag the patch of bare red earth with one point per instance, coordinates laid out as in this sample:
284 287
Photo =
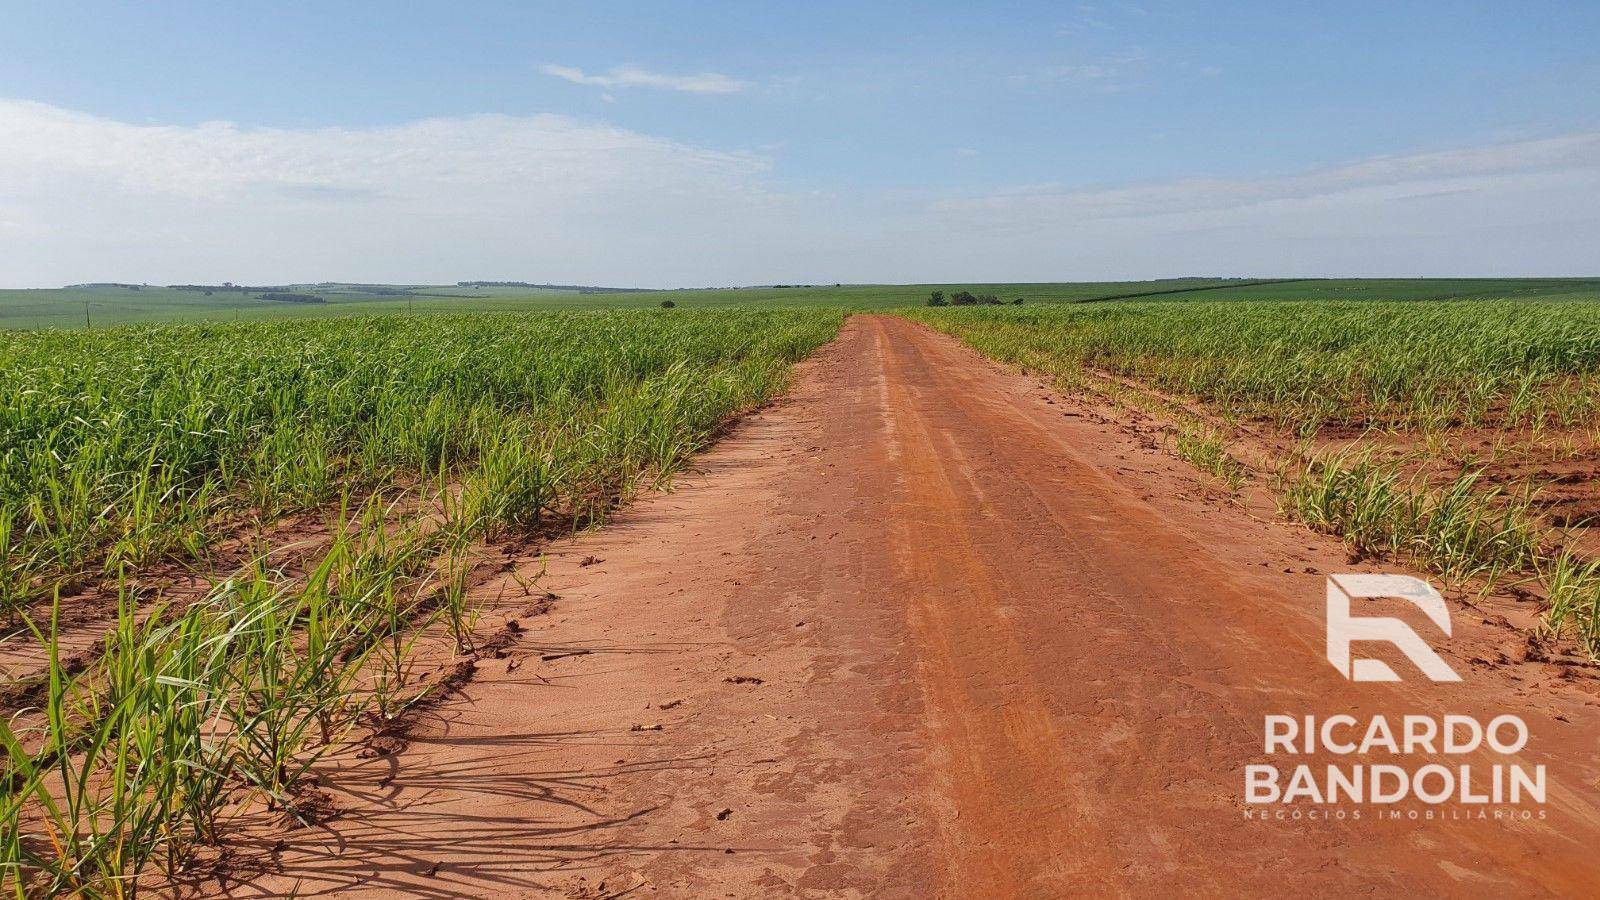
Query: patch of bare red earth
920 629
86 616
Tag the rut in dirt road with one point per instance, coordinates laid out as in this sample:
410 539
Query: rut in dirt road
909 632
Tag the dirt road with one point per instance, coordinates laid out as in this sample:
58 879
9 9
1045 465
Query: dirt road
921 629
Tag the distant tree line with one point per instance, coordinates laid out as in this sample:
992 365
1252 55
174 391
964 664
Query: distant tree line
381 290
967 298
227 287
580 288
285 297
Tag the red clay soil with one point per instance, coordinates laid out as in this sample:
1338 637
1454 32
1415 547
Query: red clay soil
921 629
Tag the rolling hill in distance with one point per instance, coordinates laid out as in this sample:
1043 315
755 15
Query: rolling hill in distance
111 304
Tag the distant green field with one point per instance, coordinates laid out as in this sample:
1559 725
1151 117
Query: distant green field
106 306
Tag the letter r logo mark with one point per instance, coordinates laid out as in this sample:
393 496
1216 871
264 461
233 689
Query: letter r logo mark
1343 628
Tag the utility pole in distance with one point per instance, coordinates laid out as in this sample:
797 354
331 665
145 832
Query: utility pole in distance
86 325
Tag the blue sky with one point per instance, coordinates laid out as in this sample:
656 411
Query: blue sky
720 143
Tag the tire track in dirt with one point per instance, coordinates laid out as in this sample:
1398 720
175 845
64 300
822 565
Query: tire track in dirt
996 745
913 632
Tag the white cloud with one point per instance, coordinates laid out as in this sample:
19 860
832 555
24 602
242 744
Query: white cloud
85 198
1506 209
551 198
221 161
1090 74
633 76
1107 75
1087 17
1478 169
